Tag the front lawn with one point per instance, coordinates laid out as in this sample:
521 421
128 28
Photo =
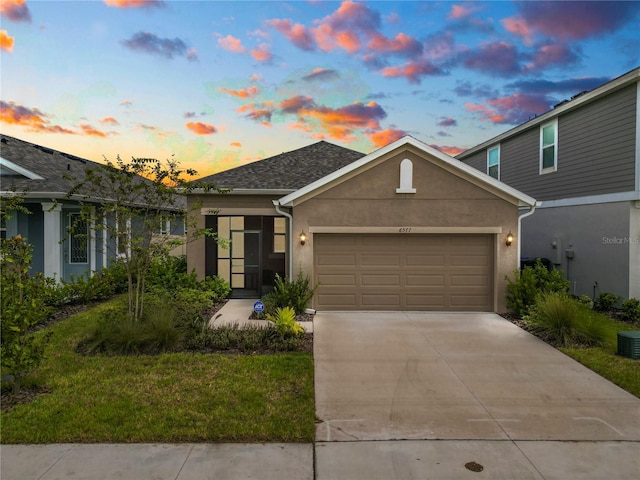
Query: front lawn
623 371
181 397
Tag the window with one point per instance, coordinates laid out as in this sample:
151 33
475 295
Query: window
165 226
279 235
549 147
78 239
493 162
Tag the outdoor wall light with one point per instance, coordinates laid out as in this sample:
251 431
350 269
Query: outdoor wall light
302 237
509 240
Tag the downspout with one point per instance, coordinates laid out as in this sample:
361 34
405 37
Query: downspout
290 217
520 217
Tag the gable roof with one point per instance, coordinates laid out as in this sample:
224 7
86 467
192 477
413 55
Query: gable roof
287 171
453 165
563 107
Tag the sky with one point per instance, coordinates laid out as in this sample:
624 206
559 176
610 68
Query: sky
217 84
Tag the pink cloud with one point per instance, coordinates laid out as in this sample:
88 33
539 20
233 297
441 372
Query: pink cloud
6 41
235 144
36 121
401 44
412 71
511 109
15 10
91 131
242 93
200 128
449 150
519 27
295 104
459 11
553 54
385 137
261 53
295 33
232 44
257 112
134 3
109 121
126 103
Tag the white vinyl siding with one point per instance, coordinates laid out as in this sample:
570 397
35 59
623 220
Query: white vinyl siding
493 162
549 147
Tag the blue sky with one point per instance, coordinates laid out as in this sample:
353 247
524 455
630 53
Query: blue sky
218 84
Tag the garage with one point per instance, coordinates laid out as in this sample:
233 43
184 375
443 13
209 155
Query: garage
448 272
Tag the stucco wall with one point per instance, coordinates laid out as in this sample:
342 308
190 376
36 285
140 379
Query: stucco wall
442 199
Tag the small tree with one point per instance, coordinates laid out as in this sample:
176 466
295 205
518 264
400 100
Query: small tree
135 199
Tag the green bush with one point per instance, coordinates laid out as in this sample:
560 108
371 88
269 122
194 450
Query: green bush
248 339
218 288
631 309
566 321
531 282
605 302
285 322
286 293
22 308
116 334
585 300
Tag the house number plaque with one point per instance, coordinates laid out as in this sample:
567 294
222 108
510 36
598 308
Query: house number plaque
404 229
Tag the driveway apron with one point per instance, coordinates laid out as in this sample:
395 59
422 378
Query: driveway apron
456 376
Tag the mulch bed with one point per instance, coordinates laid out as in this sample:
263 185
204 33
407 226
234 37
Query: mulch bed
27 394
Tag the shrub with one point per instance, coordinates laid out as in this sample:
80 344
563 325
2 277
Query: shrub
605 302
23 307
286 293
217 287
531 282
156 332
566 321
586 301
247 339
631 309
285 322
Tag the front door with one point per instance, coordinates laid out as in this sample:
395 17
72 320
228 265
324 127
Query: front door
245 263
76 246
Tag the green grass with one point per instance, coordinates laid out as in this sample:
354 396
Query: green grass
178 397
624 372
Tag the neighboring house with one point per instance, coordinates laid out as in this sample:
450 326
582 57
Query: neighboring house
582 161
403 228
63 244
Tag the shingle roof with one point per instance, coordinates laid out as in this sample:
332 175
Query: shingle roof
288 170
49 164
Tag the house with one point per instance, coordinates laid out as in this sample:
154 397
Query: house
582 161
404 228
64 244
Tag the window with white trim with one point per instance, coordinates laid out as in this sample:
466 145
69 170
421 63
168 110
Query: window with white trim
165 226
78 239
493 162
549 147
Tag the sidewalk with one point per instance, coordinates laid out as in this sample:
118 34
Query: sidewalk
274 461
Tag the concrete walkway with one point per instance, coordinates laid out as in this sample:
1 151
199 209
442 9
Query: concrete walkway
402 396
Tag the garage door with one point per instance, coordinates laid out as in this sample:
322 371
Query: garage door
403 272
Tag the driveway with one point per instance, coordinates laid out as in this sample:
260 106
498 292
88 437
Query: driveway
382 376
458 388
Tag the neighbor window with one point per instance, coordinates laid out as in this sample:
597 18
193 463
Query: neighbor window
549 147
493 162
165 226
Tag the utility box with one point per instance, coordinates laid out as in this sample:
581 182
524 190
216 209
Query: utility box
629 344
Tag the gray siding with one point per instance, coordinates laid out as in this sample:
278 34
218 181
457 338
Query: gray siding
596 152
588 230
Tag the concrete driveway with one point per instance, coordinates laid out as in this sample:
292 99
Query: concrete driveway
481 386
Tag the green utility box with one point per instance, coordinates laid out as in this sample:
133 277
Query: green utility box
629 344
